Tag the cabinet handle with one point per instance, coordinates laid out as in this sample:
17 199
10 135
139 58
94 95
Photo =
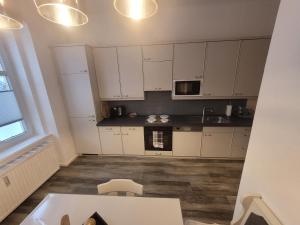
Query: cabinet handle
117 134
238 94
246 135
147 59
125 134
107 128
207 94
198 77
83 71
208 135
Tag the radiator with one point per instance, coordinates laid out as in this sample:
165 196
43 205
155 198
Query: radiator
22 176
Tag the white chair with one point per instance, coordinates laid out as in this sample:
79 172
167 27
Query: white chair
251 204
120 185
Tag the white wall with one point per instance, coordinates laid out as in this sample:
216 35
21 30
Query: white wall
41 35
177 20
272 166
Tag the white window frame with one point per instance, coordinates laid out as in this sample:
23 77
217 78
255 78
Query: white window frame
14 81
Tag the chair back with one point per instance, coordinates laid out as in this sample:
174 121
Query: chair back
120 185
257 212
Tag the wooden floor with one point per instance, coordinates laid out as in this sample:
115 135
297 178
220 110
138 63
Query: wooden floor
207 188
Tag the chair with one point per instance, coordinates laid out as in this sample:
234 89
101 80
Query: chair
254 208
120 185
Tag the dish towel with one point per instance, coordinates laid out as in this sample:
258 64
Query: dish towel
158 139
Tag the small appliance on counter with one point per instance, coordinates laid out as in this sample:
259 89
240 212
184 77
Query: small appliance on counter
244 113
117 111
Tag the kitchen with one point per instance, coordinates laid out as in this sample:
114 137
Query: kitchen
207 89
148 112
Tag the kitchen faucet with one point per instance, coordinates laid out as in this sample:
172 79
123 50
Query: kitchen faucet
204 110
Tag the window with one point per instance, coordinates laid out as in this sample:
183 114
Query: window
11 120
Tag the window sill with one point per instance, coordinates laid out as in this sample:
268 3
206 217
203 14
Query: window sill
19 149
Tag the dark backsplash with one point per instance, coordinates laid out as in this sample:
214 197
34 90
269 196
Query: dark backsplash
162 103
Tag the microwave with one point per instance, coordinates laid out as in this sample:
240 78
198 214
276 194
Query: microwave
187 87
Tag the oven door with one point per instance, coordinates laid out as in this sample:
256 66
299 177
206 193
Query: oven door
188 87
158 139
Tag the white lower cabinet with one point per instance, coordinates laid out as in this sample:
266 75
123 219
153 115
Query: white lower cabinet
111 140
86 136
240 142
133 140
186 143
216 142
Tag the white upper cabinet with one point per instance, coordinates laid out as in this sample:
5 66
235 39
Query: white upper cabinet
131 72
220 68
71 59
158 53
252 59
158 67
106 63
86 135
189 61
158 76
78 95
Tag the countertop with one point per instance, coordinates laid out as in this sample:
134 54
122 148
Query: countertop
176 121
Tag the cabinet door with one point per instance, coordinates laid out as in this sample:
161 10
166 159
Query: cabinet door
216 144
252 59
131 72
158 76
186 143
78 95
156 53
240 142
107 71
220 68
189 61
71 60
111 140
86 135
133 140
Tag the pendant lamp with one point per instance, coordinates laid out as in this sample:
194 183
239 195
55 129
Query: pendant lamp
136 9
6 21
64 12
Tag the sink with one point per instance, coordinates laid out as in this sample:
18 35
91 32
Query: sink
216 119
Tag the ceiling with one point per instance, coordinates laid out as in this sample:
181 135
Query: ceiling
176 20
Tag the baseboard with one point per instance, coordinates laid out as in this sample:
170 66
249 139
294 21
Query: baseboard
69 161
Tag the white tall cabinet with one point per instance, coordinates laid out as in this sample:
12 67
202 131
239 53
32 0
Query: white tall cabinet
252 59
80 90
106 64
189 61
119 73
131 72
158 67
220 68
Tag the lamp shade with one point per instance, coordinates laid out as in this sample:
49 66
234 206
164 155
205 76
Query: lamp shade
6 21
65 12
136 9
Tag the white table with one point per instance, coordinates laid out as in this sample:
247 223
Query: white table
115 210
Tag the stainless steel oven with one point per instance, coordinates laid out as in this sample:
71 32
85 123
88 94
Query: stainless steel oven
187 87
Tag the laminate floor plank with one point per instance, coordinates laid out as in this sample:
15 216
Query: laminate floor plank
207 188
